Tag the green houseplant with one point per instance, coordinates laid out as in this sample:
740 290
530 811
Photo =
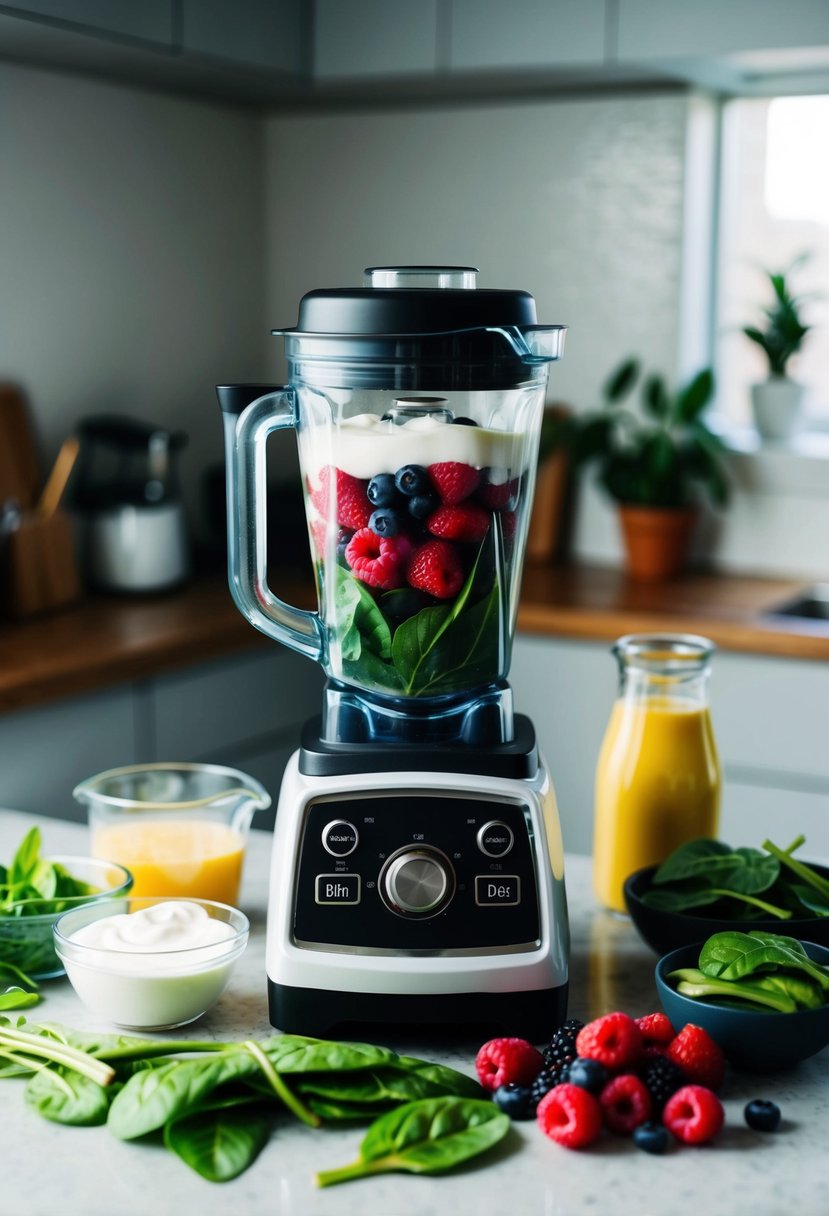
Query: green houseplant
777 401
656 463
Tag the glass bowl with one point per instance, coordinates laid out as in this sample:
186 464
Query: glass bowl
26 941
149 988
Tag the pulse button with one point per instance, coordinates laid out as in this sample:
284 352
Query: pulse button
495 839
339 838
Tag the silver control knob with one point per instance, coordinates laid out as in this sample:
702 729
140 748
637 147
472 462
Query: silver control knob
417 881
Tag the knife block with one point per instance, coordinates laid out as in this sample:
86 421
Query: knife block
41 571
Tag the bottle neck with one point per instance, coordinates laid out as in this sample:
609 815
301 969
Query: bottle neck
687 689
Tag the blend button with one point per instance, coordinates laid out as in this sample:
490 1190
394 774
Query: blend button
495 838
497 890
339 838
338 889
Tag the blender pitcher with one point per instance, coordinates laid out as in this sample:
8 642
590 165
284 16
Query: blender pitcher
417 404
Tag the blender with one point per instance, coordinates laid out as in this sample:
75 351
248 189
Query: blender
417 873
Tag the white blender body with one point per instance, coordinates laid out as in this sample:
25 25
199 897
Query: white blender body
417 871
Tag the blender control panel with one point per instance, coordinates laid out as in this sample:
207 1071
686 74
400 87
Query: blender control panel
416 872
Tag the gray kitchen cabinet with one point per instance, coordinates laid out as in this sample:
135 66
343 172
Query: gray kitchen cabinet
144 20
45 752
363 38
261 33
666 29
769 719
526 33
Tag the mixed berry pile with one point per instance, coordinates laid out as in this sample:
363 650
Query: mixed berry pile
419 527
631 1076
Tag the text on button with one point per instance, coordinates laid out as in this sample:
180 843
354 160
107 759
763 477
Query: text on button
502 890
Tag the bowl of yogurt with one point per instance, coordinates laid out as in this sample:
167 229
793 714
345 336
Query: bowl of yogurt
150 963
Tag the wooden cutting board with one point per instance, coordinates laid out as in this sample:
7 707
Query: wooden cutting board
19 464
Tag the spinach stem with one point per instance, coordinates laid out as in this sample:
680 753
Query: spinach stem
357 1169
146 1049
796 843
279 1087
59 1053
803 871
772 909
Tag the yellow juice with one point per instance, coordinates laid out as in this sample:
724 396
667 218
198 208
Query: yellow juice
657 785
195 858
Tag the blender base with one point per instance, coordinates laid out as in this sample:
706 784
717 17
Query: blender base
317 1012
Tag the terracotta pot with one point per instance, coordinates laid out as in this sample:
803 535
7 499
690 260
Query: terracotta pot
656 540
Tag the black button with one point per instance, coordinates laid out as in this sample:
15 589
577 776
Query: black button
338 889
339 838
495 839
497 890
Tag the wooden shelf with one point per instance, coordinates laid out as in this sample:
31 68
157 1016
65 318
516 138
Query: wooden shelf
106 640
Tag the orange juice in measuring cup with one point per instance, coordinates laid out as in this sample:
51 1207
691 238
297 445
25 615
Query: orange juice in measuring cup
658 779
180 829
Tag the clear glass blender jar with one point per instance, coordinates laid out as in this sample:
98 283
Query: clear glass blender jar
417 403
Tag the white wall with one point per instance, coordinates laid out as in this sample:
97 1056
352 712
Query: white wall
131 230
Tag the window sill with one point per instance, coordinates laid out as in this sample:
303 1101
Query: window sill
798 467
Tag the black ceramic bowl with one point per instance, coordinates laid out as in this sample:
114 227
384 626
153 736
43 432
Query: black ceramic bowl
757 1041
665 931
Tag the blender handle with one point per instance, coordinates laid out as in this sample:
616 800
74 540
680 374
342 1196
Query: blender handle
247 526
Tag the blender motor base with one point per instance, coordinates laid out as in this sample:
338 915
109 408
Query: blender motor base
317 1012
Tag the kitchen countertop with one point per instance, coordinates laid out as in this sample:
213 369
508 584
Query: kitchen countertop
49 1168
105 640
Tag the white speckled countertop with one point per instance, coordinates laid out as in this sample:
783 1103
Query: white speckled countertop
49 1169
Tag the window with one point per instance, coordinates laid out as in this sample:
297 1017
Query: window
774 207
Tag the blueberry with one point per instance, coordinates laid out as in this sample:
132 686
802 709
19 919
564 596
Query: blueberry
588 1074
514 1100
412 479
381 490
762 1115
421 506
464 421
385 521
343 537
651 1137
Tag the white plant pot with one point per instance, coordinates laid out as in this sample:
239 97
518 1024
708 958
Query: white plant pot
778 405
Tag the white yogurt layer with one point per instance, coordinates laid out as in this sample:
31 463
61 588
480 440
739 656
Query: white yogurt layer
156 968
365 445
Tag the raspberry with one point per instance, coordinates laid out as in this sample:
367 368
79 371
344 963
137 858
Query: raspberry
507 1061
614 1040
656 1030
497 497
435 567
693 1114
626 1103
319 532
662 1078
700 1058
453 481
378 560
570 1116
466 522
353 508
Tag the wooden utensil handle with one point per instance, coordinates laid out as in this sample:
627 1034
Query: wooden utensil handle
59 476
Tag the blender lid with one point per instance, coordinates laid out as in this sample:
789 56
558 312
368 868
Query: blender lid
413 300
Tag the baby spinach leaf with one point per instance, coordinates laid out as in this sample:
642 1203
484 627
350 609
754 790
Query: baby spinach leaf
425 1137
360 621
290 1053
733 955
449 1079
695 984
804 992
339 1110
65 1096
814 901
680 900
695 859
415 638
753 872
25 859
18 998
219 1143
467 653
152 1097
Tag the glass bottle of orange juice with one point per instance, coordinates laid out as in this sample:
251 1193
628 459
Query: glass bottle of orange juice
658 779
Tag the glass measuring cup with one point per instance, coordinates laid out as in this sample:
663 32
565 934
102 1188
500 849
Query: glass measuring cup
183 827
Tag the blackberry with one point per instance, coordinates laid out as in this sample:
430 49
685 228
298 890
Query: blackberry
546 1080
662 1078
561 1050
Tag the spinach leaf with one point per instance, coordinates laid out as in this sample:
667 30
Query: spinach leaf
697 897
18 998
733 955
693 983
425 1137
339 1110
467 653
65 1096
804 992
695 859
361 623
753 873
811 899
290 1053
219 1143
371 671
153 1097
25 859
449 1079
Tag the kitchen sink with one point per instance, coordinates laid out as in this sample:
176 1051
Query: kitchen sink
812 604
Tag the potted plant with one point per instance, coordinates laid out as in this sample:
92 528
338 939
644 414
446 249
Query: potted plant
654 463
778 401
